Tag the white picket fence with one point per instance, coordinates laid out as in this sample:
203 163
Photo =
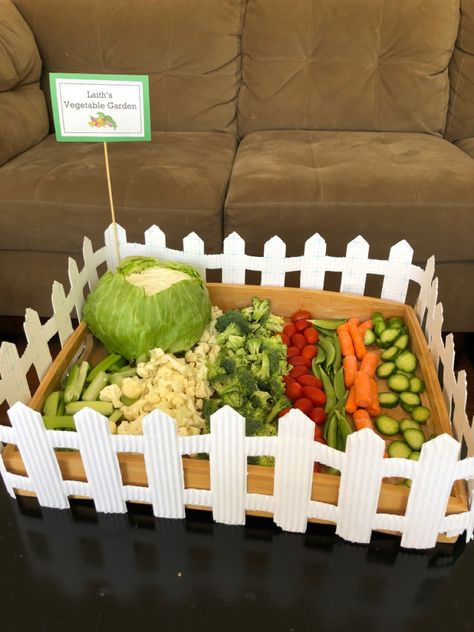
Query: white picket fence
362 466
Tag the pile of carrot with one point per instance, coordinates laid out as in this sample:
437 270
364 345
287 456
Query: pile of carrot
363 401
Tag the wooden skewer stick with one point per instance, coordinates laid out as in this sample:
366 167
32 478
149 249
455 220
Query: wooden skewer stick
111 200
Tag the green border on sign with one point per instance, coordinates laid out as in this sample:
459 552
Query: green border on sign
143 79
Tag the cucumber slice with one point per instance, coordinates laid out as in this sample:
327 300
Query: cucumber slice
420 414
415 456
387 425
388 400
417 385
406 361
104 408
398 383
377 316
390 354
369 337
402 342
408 423
379 327
408 375
388 337
386 369
409 401
396 322
414 438
399 450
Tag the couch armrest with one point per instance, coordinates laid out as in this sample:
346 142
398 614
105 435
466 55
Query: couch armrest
23 115
467 145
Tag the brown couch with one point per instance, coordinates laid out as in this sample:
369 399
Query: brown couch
268 116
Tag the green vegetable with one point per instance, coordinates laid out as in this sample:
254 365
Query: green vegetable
329 351
321 356
56 422
339 386
387 425
106 364
92 391
146 304
51 404
399 450
332 324
420 414
104 408
414 438
345 428
75 382
369 337
327 387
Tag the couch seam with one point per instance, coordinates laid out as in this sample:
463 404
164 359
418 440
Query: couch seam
243 17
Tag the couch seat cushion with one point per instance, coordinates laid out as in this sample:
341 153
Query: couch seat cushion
383 186
55 193
467 145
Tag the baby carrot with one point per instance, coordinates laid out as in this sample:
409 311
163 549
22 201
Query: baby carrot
357 340
351 406
340 328
367 324
374 408
369 363
349 365
363 390
345 340
362 419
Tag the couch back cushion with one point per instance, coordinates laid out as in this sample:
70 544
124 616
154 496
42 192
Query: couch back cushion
461 104
188 48
376 65
23 118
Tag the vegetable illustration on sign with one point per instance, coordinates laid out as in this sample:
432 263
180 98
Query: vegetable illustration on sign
102 120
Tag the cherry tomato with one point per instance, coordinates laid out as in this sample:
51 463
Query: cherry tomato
318 415
304 404
294 391
292 351
298 340
311 335
302 324
318 433
302 313
300 361
288 379
316 395
317 467
284 411
298 371
289 330
309 351
285 339
309 380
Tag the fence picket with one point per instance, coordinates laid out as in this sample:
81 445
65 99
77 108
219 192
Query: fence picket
38 456
429 492
273 265
293 471
89 262
76 292
100 461
425 289
430 310
228 465
354 272
14 383
193 248
155 238
111 247
62 315
312 267
359 490
163 465
397 276
233 260
38 348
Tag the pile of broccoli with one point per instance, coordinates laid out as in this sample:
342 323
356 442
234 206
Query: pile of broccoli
247 374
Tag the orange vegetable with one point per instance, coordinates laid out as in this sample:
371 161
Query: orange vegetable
362 419
351 406
350 367
342 328
345 340
363 390
357 340
374 408
369 363
367 324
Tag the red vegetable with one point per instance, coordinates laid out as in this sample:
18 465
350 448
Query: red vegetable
302 314
288 379
289 329
309 351
285 339
318 415
284 411
294 391
318 433
292 351
316 395
321 440
309 380
300 360
311 335
298 371
304 404
302 324
298 340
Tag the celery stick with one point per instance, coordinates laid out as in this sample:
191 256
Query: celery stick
61 405
104 408
117 378
51 404
128 401
74 386
105 365
118 365
92 391
58 422
116 415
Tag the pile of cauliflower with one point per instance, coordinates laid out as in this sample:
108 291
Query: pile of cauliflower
177 386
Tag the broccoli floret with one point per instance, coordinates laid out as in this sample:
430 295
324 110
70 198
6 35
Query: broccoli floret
235 318
253 345
273 324
209 407
261 370
228 364
281 403
215 373
233 398
260 399
255 420
257 310
246 380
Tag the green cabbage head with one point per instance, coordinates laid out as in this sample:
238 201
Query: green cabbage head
147 303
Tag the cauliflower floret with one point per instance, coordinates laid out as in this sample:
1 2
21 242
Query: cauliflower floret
131 427
133 387
202 390
111 393
112 427
135 410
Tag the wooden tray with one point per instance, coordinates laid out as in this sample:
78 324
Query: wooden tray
285 301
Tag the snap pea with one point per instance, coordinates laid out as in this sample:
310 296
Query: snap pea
329 350
339 386
321 356
345 428
332 431
336 365
327 324
328 389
